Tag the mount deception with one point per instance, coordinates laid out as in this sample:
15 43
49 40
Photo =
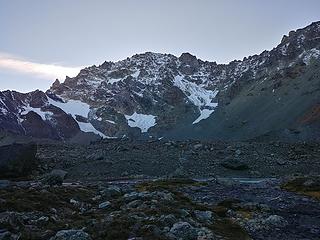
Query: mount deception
275 94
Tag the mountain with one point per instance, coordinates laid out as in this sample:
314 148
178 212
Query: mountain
273 95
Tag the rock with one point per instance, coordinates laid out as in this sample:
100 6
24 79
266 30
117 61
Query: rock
281 162
189 63
71 235
255 173
183 231
204 216
59 172
105 205
235 164
5 235
128 197
123 149
96 156
4 184
198 146
55 177
111 192
184 213
276 221
134 204
163 196
179 172
206 234
152 230
266 224
238 152
74 202
125 174
168 220
18 160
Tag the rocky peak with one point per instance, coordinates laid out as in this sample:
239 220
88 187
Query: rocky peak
189 63
187 58
56 83
300 40
151 93
106 65
37 99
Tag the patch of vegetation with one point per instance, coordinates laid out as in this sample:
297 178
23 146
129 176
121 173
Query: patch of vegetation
309 186
50 202
222 226
168 184
143 221
222 207
229 230
26 200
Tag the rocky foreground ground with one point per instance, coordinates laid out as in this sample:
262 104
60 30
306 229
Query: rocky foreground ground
126 158
232 209
121 189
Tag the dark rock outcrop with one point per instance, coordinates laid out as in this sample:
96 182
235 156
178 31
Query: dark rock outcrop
18 160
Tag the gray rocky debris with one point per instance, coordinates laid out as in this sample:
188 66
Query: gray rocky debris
71 235
183 231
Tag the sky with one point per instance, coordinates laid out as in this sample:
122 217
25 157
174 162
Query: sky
41 40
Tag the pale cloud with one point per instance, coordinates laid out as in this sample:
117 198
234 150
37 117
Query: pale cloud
47 71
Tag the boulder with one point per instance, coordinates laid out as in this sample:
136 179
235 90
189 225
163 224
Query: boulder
71 235
198 146
111 192
18 160
55 177
266 224
4 184
276 221
59 172
235 164
52 180
183 230
179 172
105 205
167 220
204 216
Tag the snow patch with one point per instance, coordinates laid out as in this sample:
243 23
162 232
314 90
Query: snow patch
136 74
142 121
76 107
44 115
204 114
110 121
198 95
114 80
284 49
88 127
138 93
307 56
73 107
3 111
